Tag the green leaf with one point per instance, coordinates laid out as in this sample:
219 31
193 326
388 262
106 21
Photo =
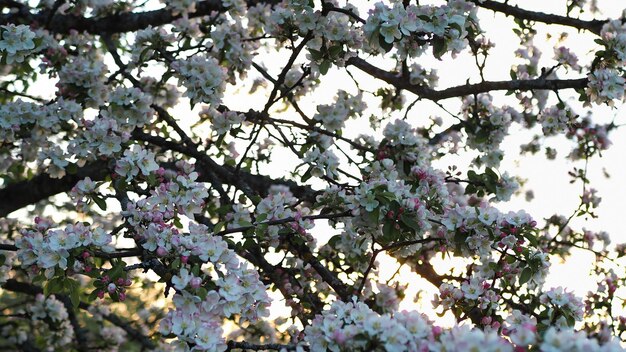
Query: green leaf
177 223
100 202
71 169
373 216
176 263
332 242
493 177
202 292
218 227
117 270
384 45
93 295
525 276
470 189
388 231
307 174
335 50
439 47
53 286
409 222
195 270
315 54
74 289
532 239
324 66
261 217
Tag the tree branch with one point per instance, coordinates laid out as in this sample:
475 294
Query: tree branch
467 89
594 26
116 23
254 347
21 194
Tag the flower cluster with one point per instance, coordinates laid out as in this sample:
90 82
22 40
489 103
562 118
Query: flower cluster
323 163
203 77
481 230
129 107
385 198
614 35
82 191
487 127
16 42
566 58
49 322
136 160
280 204
605 85
46 248
83 79
222 122
176 193
410 26
404 145
576 341
555 119
34 123
228 44
50 316
423 77
520 328
334 115
6 264
354 326
198 314
562 307
180 6
147 43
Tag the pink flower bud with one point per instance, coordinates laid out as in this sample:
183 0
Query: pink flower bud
184 258
437 330
195 282
122 296
161 252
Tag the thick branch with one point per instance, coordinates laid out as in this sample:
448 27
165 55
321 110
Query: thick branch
466 89
117 23
21 194
18 195
594 26
246 346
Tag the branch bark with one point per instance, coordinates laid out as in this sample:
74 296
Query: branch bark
594 26
466 89
116 23
21 194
